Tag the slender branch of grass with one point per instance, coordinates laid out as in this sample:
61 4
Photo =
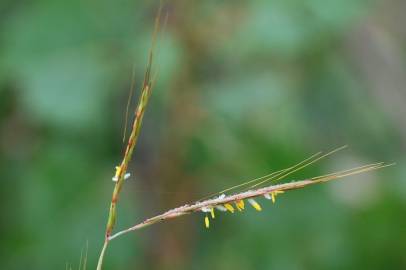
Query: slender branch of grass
223 200
132 141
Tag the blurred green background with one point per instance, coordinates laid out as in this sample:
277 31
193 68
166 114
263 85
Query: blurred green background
244 88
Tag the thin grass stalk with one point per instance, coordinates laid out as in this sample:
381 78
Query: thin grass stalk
121 170
224 200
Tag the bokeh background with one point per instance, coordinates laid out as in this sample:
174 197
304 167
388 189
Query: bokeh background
243 88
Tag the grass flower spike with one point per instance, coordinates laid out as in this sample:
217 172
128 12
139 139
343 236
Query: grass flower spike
223 203
121 170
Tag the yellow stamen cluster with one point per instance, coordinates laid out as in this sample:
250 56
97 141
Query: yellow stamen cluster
206 218
240 205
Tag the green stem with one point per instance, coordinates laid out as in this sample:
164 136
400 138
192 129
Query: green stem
101 257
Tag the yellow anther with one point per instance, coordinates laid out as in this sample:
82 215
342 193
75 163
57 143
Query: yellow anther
118 171
206 221
229 207
212 213
275 193
240 205
255 204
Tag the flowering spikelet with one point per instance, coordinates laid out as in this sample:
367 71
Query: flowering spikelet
229 207
240 205
255 204
224 203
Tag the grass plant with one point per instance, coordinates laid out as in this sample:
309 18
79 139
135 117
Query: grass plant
229 200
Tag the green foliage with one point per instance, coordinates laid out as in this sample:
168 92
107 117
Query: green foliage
243 88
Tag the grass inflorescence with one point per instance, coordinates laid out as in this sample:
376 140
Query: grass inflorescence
233 203
121 170
230 200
